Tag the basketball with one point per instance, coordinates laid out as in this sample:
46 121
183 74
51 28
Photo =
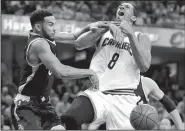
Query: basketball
144 117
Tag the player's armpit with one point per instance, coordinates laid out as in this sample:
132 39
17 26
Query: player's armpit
155 91
89 39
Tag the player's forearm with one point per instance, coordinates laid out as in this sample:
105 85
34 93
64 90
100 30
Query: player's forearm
69 38
64 37
141 55
67 72
81 31
89 39
176 119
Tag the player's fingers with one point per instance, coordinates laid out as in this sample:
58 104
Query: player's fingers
117 23
94 28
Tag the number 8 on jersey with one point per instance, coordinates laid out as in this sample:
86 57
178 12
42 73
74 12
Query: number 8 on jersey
113 60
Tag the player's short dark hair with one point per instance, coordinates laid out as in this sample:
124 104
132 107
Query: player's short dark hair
39 15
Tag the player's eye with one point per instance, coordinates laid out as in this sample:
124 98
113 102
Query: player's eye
51 24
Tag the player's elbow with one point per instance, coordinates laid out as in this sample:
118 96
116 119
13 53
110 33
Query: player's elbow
145 64
78 46
60 73
144 68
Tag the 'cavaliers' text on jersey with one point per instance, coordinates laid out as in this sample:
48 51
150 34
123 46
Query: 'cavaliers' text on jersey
114 64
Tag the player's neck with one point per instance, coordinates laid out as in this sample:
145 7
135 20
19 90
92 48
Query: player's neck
37 32
130 23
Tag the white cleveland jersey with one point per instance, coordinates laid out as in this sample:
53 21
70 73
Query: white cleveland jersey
114 64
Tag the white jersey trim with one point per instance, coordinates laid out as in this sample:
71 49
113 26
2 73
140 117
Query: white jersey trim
27 53
29 78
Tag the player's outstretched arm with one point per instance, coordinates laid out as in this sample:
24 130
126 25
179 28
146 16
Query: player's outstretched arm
64 37
59 70
141 47
84 38
89 39
158 94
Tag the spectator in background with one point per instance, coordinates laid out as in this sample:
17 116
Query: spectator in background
68 8
5 111
6 78
181 107
181 19
30 6
75 90
60 90
3 125
21 8
42 4
140 19
164 80
9 89
103 10
55 8
83 12
164 21
165 124
63 105
54 101
96 11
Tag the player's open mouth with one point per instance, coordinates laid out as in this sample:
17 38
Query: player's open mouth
121 13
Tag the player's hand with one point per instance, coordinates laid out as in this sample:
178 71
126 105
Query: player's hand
116 32
117 23
94 80
126 28
100 24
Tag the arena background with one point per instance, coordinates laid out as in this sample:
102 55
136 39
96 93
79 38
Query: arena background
163 21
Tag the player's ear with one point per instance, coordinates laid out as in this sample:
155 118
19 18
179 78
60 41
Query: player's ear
133 18
38 26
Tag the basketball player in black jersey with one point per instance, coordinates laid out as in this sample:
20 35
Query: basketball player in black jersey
31 108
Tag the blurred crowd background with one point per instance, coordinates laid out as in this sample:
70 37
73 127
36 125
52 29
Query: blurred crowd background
165 14
150 13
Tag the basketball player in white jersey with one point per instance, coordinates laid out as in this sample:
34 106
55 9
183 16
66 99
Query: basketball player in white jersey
151 89
121 54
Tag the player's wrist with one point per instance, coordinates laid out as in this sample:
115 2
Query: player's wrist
92 73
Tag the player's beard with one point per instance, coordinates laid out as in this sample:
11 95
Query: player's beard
45 35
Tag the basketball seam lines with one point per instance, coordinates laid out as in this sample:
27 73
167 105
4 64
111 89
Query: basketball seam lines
141 113
151 119
137 117
146 123
147 116
138 113
143 117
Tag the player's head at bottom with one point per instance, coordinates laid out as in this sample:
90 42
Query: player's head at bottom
43 23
